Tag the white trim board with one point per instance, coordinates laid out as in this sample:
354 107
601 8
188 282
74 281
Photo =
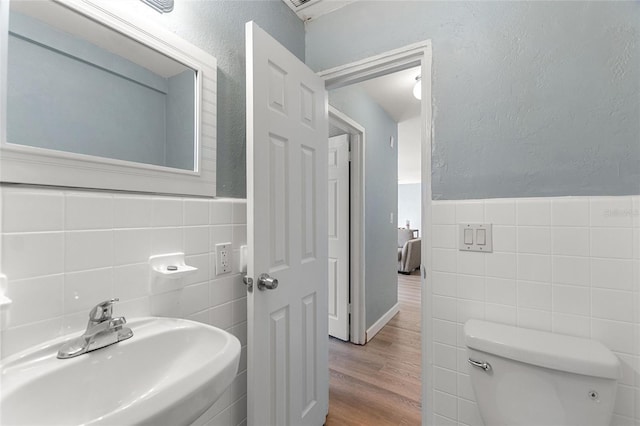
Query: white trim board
382 321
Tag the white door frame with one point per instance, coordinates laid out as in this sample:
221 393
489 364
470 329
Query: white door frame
379 65
356 222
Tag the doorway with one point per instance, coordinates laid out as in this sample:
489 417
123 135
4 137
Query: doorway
385 64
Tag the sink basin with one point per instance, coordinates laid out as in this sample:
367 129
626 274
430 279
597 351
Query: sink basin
168 373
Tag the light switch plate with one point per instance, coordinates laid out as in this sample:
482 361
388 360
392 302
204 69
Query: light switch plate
478 232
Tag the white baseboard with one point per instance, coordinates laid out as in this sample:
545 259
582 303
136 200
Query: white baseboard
382 321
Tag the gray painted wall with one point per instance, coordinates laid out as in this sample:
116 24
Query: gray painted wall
530 98
409 205
381 198
218 28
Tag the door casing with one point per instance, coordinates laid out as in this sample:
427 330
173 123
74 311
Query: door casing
356 223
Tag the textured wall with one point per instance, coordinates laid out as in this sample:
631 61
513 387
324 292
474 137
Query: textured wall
380 198
530 98
218 27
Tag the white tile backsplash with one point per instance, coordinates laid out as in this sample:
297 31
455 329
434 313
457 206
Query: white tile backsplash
83 290
196 212
167 212
32 211
505 239
239 212
444 236
470 263
131 246
559 264
571 270
570 212
88 249
534 267
27 255
574 300
196 239
501 265
64 251
444 284
132 211
612 273
533 212
470 212
501 291
131 282
534 295
535 240
44 296
612 243
611 212
500 212
221 212
444 260
443 213
471 287
573 325
569 241
87 211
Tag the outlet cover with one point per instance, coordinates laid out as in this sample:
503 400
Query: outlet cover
224 258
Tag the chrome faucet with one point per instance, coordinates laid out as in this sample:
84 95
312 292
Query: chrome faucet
102 330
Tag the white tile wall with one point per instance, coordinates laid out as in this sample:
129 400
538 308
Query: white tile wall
568 265
63 251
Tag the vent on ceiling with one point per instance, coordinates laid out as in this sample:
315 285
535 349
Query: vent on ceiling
298 3
162 6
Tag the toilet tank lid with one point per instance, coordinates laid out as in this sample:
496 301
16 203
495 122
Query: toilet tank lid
556 351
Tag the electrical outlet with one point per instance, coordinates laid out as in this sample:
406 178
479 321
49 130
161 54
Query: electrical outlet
224 258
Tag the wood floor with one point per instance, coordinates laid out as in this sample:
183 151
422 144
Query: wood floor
379 383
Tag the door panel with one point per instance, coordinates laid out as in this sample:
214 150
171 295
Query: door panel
338 232
286 214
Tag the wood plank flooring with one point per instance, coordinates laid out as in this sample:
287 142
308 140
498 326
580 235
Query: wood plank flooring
378 384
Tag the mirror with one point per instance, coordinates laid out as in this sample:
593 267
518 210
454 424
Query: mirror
75 85
85 85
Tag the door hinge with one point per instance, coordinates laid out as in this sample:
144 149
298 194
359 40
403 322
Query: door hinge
349 157
349 308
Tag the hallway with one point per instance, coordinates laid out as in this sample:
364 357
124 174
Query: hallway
379 383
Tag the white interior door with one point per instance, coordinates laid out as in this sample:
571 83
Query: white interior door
288 376
339 237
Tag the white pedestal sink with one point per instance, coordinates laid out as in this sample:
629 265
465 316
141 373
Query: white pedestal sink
168 373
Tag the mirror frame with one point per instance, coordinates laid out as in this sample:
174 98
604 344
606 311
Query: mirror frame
40 166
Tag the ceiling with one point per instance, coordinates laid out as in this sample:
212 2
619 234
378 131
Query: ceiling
394 93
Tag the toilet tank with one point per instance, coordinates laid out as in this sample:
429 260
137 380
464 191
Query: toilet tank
525 377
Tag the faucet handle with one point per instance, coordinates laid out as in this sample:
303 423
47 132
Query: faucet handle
102 311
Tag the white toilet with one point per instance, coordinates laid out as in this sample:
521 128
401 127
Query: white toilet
525 377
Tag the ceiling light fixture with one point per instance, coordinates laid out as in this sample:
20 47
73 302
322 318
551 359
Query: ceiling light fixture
417 88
